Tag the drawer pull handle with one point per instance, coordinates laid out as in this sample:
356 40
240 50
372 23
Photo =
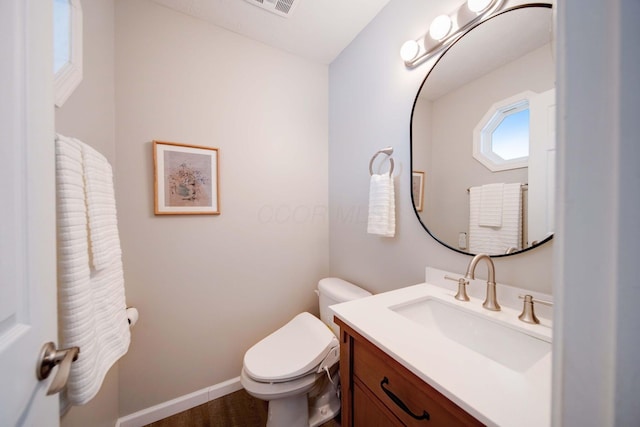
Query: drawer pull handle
400 403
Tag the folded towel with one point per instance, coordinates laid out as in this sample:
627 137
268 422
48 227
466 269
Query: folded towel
382 210
496 240
491 205
101 208
91 302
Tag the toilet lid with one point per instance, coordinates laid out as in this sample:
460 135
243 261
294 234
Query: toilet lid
290 352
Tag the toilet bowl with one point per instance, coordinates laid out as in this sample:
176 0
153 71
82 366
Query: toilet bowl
295 368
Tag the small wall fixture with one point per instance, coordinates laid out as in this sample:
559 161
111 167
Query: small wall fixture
445 29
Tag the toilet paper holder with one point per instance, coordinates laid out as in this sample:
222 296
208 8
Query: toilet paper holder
132 316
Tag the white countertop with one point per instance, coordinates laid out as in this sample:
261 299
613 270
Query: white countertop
491 392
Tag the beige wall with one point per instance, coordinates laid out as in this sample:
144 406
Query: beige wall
209 287
371 95
89 114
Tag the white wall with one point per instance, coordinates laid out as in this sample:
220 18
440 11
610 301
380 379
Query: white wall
89 114
596 345
209 287
371 94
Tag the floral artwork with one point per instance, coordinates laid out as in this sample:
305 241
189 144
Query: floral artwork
186 179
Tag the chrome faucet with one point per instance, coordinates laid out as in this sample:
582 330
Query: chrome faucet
490 302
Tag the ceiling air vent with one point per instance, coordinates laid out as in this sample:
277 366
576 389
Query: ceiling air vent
279 7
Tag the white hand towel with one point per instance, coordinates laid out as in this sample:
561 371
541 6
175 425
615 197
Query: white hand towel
91 302
101 208
382 209
496 240
491 205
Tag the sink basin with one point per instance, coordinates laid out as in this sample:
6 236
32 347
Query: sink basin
499 341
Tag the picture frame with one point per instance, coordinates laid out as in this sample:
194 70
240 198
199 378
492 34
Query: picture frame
417 189
185 179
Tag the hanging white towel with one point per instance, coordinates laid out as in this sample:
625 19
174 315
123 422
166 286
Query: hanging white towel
496 240
101 208
91 301
491 205
382 206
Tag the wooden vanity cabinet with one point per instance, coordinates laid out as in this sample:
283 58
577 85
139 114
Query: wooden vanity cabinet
378 391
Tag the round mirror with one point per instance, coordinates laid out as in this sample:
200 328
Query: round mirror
483 137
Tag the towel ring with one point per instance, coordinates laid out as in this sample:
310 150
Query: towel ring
388 151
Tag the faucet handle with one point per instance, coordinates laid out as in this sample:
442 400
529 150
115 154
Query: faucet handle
461 295
528 314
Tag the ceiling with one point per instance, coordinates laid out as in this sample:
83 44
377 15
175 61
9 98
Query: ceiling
492 44
315 29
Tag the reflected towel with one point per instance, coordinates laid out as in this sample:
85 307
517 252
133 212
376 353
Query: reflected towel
382 209
491 205
91 302
496 240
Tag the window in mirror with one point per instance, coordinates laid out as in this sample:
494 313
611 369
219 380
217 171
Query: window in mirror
510 139
501 139
67 47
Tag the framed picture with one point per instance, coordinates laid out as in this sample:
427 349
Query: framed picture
185 179
417 189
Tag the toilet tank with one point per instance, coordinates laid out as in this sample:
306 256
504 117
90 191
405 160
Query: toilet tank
333 290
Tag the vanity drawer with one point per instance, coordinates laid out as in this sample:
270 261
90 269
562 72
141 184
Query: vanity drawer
404 393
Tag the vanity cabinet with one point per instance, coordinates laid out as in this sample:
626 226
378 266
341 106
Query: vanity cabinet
378 391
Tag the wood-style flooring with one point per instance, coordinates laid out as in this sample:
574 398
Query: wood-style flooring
237 409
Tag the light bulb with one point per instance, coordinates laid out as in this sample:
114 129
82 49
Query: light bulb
409 50
478 6
440 27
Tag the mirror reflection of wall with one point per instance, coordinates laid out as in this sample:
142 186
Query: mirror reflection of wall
490 64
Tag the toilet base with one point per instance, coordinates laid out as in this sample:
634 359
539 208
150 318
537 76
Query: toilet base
289 412
326 404
305 411
313 404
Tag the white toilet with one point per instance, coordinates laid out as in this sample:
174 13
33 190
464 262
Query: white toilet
295 368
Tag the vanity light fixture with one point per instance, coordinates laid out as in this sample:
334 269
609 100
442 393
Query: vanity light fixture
409 50
440 27
445 29
478 6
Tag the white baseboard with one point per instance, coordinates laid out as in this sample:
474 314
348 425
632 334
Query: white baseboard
179 404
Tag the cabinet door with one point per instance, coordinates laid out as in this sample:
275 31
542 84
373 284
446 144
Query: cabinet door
368 412
408 398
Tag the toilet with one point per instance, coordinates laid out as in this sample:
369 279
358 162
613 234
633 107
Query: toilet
295 368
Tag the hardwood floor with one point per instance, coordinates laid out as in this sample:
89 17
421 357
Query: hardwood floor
237 409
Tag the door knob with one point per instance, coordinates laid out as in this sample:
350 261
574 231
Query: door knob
49 358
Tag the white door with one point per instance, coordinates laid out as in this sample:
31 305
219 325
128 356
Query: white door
27 211
542 160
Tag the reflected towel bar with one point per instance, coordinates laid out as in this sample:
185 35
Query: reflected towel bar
523 187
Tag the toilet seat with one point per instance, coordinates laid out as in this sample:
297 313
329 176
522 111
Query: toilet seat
270 391
291 352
